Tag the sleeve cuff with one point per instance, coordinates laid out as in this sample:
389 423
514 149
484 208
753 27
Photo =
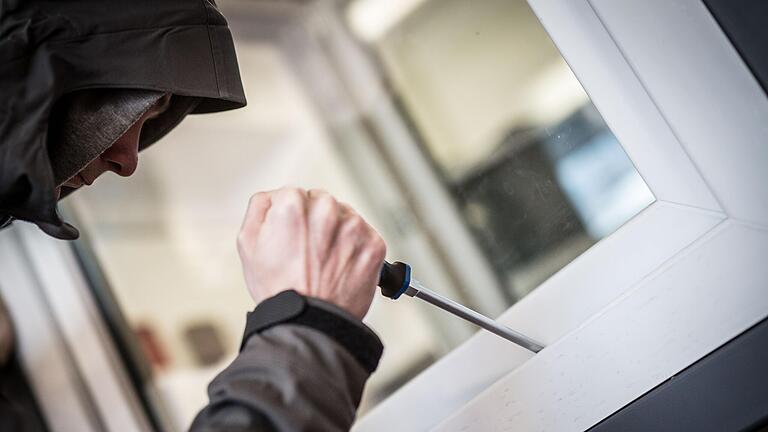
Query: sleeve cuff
290 307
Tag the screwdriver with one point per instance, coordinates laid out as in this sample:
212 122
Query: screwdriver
395 280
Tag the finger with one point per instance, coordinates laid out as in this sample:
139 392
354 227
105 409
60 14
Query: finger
314 193
323 221
288 205
258 206
351 235
346 211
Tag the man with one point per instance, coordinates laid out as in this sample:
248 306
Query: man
85 86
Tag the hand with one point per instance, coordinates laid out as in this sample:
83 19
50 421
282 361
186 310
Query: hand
309 242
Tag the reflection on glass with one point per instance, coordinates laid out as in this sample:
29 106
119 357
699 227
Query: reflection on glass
536 172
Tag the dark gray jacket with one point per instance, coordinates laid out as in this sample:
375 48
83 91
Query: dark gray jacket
302 367
303 363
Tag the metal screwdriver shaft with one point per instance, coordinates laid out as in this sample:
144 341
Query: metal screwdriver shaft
396 280
417 290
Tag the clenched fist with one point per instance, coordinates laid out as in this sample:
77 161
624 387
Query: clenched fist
309 242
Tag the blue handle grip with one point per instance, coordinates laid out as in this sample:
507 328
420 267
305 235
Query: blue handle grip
394 279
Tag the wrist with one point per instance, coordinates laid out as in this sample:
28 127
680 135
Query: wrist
290 307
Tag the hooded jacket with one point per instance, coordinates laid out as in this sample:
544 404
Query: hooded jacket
302 364
51 48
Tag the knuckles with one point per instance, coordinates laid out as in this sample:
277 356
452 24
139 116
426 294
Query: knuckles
354 227
292 201
324 210
290 213
327 206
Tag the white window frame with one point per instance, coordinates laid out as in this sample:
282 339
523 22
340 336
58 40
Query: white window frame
65 350
672 284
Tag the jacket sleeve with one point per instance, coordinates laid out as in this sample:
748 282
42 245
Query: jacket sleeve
296 371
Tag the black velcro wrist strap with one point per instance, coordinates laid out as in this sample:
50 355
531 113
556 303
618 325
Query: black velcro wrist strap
290 307
272 311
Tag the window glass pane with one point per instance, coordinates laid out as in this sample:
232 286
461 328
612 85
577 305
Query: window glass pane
538 175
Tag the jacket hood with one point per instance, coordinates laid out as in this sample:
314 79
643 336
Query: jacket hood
49 49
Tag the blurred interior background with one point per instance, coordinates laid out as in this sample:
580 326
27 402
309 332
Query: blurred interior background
455 128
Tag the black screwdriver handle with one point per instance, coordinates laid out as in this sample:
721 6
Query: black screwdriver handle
394 279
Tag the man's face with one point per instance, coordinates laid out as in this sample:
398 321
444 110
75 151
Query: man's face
122 157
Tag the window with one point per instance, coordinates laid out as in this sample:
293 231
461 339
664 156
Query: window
525 160
529 161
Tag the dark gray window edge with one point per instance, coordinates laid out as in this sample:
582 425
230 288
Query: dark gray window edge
727 390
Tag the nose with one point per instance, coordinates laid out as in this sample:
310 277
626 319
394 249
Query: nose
122 157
